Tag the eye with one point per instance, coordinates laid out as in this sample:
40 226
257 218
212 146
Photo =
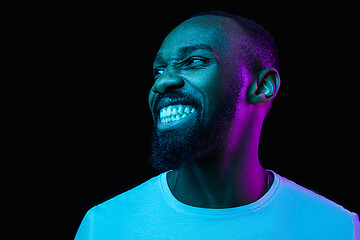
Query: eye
158 71
195 61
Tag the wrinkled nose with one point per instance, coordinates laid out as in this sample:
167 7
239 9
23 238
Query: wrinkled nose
168 81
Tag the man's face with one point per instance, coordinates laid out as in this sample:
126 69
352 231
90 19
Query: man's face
196 90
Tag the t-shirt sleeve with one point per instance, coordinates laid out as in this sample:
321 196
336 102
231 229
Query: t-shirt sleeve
84 231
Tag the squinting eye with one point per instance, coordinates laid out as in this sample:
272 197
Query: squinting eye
195 60
158 71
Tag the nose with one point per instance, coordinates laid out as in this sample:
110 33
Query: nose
169 80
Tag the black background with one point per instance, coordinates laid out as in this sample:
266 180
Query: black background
84 128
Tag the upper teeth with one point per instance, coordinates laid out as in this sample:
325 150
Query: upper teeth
174 113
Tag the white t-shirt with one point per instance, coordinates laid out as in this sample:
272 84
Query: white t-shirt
286 211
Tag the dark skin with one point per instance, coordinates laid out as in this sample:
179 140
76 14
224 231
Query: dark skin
201 55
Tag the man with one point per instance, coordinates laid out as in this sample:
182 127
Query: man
215 77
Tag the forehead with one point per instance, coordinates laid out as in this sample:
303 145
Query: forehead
215 32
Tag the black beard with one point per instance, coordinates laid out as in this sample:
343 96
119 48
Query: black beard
171 149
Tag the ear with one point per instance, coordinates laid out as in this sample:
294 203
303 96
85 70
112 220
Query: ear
265 87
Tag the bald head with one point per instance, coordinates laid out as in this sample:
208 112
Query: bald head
217 31
257 43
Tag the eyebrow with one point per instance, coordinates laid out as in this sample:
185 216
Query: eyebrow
184 51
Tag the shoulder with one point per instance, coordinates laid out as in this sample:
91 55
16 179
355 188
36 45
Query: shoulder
306 197
137 195
313 210
127 202
118 214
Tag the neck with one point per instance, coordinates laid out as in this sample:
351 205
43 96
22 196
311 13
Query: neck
222 180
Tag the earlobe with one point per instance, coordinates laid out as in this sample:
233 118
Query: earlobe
266 86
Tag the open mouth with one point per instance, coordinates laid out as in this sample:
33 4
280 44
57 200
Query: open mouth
173 116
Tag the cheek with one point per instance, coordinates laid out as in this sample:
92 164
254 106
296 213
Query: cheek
208 83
